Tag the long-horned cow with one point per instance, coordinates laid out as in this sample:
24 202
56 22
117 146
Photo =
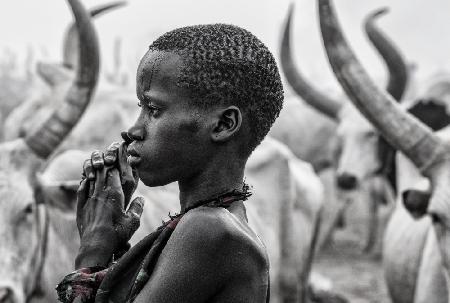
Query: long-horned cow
363 166
352 126
413 264
24 228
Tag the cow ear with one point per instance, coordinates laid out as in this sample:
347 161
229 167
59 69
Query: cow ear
416 202
54 74
432 113
60 195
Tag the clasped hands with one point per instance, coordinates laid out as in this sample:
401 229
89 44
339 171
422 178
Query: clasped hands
105 219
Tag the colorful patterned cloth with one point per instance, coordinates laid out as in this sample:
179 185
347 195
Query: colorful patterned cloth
82 283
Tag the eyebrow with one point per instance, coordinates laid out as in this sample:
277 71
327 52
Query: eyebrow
149 96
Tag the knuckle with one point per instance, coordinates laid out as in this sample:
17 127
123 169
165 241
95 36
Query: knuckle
95 154
86 163
114 146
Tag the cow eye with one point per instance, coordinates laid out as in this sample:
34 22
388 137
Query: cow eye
25 214
28 209
435 218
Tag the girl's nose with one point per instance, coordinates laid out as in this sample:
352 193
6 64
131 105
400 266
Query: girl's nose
135 133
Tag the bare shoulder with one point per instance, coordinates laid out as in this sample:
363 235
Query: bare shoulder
211 256
221 234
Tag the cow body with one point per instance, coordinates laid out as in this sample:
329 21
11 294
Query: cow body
308 133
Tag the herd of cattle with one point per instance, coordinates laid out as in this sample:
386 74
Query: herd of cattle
322 152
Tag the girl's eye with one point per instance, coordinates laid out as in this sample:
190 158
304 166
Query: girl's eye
153 109
148 106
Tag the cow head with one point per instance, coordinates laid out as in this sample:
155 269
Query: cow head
358 152
23 228
357 159
429 152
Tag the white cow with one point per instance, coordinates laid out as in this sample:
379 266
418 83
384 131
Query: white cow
355 152
25 231
412 261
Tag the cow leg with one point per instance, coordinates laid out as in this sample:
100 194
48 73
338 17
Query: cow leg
372 230
340 221
289 286
431 282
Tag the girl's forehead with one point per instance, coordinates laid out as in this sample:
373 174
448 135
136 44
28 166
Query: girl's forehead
158 68
154 61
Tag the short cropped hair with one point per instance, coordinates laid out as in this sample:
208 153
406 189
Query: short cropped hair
227 64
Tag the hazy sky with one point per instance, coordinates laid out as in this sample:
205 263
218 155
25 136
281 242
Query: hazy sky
421 28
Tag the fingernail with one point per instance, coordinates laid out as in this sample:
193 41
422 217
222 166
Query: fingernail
109 159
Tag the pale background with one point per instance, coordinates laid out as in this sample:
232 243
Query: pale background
421 28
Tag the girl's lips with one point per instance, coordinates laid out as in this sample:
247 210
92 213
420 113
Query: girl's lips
132 152
133 157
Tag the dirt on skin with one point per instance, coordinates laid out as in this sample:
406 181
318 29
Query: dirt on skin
354 274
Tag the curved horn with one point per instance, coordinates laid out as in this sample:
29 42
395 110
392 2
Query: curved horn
45 140
398 71
70 46
402 130
305 90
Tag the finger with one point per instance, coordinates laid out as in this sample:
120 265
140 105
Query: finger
100 180
81 202
128 175
82 194
111 152
136 207
91 188
134 214
124 167
114 185
88 170
114 178
97 159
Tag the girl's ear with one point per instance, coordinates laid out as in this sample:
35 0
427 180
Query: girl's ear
229 121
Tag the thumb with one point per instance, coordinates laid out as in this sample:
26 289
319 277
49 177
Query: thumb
81 201
134 213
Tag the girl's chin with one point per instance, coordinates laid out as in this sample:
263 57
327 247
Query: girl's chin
152 180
